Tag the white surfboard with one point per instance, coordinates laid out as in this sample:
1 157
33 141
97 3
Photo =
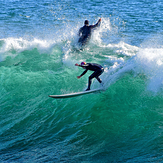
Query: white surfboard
76 93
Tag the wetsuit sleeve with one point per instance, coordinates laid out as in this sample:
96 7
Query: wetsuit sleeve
84 73
96 25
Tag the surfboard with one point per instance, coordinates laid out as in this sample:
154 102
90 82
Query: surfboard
76 93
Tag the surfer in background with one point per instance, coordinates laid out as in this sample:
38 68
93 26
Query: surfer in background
85 32
98 70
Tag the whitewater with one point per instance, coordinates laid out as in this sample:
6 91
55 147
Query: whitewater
38 51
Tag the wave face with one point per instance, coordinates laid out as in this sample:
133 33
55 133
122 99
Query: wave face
38 52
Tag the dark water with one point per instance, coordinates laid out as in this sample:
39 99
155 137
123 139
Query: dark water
38 52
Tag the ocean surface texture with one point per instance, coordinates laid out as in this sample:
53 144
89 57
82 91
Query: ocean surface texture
38 51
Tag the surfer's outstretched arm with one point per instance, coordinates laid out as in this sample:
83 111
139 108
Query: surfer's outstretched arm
97 24
83 72
77 64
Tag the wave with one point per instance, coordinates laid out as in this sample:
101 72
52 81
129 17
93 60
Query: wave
117 58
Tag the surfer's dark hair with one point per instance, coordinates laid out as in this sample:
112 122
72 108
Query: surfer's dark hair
86 22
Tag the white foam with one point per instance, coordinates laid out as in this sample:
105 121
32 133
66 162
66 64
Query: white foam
12 46
147 60
150 62
20 44
102 31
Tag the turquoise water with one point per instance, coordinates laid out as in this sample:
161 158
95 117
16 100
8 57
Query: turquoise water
38 52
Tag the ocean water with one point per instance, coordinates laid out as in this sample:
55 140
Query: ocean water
38 52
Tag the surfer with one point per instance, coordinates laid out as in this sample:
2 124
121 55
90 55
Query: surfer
85 32
98 70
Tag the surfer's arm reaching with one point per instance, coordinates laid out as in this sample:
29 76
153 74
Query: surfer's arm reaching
97 24
83 72
77 65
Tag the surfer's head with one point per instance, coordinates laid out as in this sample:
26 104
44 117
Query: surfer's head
86 22
83 63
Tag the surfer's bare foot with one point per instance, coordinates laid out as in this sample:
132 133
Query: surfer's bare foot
87 89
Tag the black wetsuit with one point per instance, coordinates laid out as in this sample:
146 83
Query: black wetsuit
85 33
98 70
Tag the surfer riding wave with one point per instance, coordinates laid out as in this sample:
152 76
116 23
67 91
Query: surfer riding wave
98 70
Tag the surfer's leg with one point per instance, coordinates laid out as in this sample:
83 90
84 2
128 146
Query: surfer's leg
99 80
90 81
98 74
